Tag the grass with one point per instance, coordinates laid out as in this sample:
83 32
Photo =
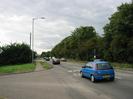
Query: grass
46 65
122 65
2 97
17 68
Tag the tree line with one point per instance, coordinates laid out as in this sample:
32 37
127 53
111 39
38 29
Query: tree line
116 44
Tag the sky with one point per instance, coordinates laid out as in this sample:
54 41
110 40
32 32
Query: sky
61 18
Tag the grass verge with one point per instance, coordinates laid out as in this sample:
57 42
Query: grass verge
2 97
122 65
46 65
17 68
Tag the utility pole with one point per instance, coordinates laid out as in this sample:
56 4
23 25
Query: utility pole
33 39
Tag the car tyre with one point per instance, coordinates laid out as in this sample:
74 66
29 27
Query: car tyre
112 79
92 79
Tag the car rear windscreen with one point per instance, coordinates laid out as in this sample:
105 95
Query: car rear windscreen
103 66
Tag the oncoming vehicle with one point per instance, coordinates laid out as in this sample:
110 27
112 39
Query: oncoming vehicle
63 59
98 70
47 59
55 61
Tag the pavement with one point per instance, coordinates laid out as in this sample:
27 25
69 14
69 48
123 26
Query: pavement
64 82
39 67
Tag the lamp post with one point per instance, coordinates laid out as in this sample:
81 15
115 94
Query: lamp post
33 21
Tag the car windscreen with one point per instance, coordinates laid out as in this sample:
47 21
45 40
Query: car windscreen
103 66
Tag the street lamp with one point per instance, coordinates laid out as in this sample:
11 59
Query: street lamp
33 21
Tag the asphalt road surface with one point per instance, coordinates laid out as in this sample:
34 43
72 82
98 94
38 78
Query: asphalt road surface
64 82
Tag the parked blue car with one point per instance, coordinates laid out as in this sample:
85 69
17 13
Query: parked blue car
98 70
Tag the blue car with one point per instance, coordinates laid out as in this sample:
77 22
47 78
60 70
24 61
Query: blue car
98 70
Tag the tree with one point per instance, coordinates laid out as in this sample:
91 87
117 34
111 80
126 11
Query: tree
46 54
119 35
80 45
15 54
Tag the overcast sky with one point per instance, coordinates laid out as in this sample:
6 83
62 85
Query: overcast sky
62 17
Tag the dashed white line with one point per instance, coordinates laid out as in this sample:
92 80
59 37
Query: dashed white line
70 71
76 74
76 70
117 77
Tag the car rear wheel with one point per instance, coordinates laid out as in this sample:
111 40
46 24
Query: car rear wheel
92 78
112 79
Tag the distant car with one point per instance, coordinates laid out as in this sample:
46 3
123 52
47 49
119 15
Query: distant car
63 59
55 61
47 58
98 70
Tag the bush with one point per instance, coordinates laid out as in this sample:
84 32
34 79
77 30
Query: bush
15 54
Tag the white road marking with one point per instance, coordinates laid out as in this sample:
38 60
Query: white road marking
70 71
76 70
117 77
76 74
73 71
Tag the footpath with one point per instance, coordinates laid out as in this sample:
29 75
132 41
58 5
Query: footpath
39 66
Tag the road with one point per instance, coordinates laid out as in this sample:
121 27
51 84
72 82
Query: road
64 82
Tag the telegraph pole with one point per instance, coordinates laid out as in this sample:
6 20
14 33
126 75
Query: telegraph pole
33 39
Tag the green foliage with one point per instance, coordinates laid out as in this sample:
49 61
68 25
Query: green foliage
118 36
46 54
116 45
15 54
122 65
80 45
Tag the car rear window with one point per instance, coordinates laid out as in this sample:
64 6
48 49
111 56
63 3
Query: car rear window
103 66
